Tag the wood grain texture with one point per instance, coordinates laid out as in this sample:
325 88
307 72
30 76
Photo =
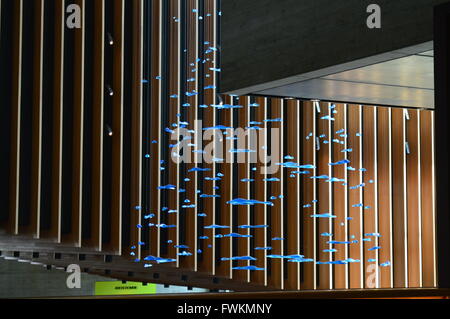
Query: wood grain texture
413 177
340 196
370 197
428 199
384 159
276 279
355 229
292 193
308 187
324 204
38 42
398 197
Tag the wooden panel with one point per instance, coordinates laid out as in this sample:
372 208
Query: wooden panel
78 115
428 198
308 186
413 177
398 196
276 152
243 191
155 168
324 205
98 130
384 160
208 204
340 195
292 192
191 113
13 222
37 118
370 198
172 168
355 229
226 193
260 211
136 135
58 111
117 127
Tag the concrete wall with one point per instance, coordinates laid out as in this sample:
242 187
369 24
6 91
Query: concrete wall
23 280
269 40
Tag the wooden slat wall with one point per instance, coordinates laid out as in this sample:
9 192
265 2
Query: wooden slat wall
182 43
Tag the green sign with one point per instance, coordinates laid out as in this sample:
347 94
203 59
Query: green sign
114 288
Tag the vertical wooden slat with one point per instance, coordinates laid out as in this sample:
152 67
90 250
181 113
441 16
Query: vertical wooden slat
398 195
177 15
292 214
413 199
172 167
208 204
155 168
191 262
355 196
428 198
117 127
13 221
260 211
370 200
243 189
324 204
277 275
340 193
78 115
37 118
211 96
226 193
97 124
308 194
136 147
58 107
384 135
